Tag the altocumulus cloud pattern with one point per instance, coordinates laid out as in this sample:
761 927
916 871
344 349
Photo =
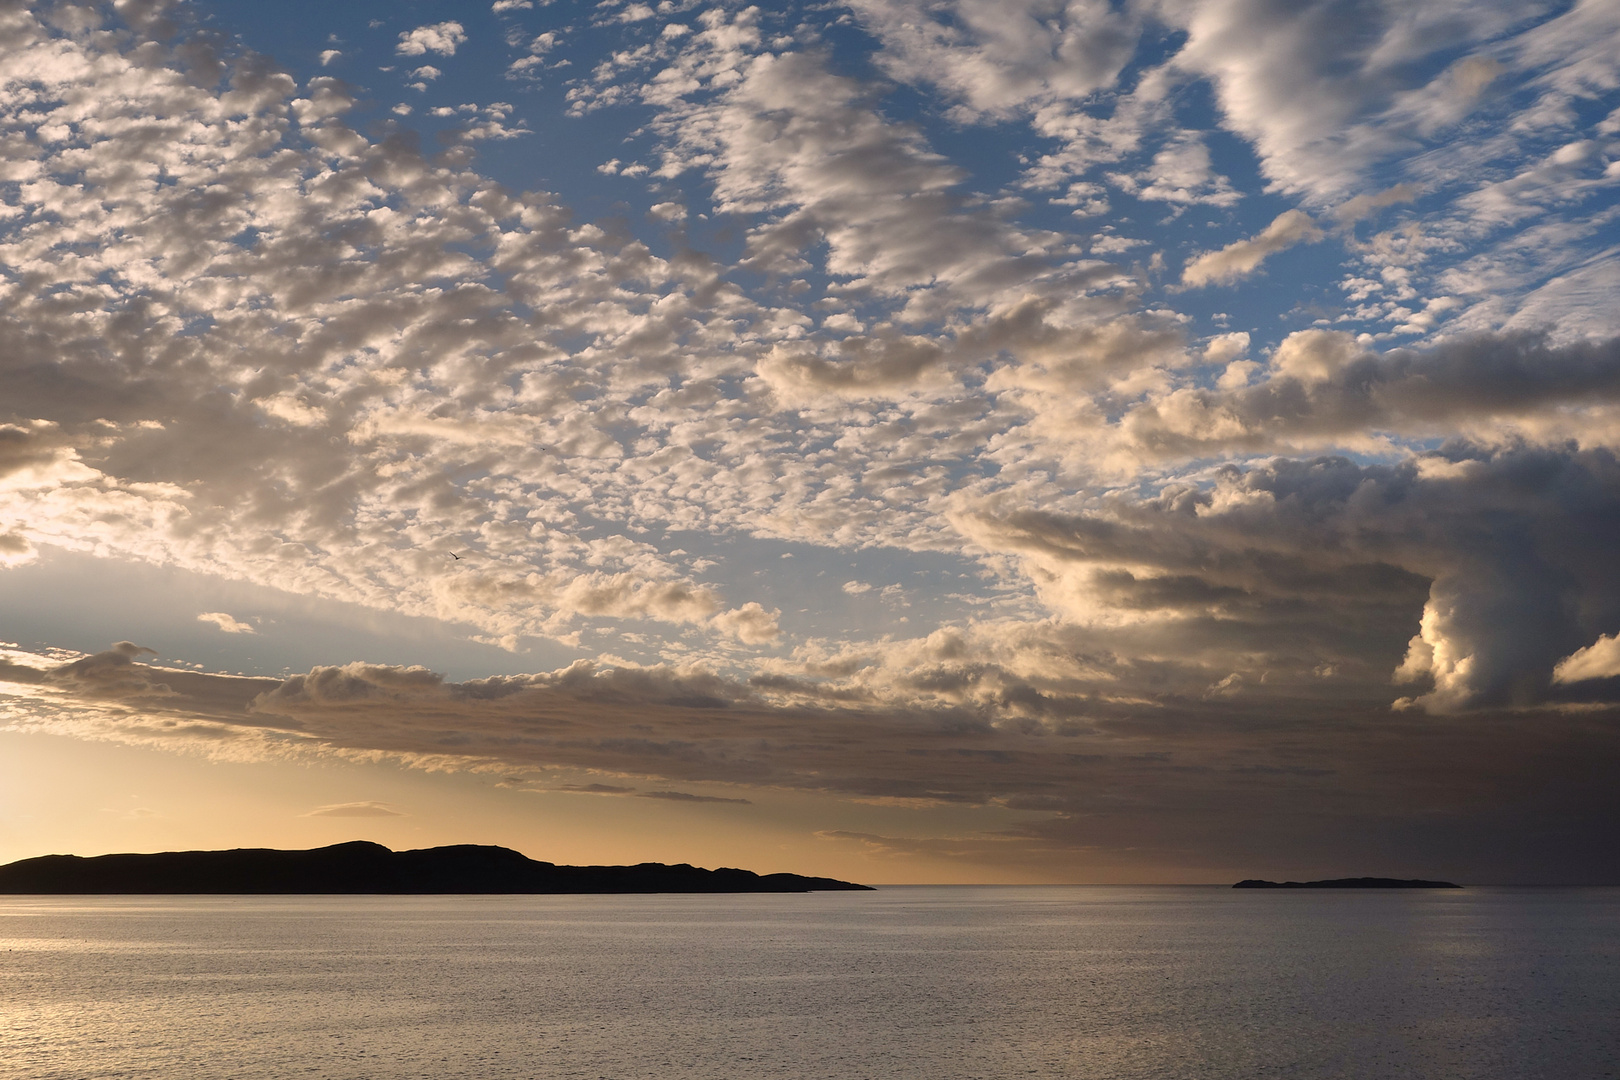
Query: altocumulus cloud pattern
1156 417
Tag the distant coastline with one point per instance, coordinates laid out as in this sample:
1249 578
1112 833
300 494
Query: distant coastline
362 867
1348 883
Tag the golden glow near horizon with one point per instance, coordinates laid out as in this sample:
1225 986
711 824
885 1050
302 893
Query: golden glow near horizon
1015 441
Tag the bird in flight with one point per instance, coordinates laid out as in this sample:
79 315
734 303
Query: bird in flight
454 556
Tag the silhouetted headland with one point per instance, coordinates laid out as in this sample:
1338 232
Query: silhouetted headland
1348 883
363 867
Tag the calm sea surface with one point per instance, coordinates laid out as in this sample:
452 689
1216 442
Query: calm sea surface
935 982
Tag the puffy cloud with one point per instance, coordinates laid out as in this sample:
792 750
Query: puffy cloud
1242 258
31 448
112 674
441 38
865 367
750 624
1599 660
493 376
1181 174
298 290
997 57
1508 542
1324 389
15 549
789 138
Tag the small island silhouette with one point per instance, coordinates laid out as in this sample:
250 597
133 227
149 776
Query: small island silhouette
360 866
1348 883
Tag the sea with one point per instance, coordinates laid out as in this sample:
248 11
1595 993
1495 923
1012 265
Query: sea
925 982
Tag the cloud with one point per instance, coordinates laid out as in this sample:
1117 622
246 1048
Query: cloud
1180 174
112 674
1240 259
1317 88
1599 660
441 38
1505 543
413 295
681 796
789 138
249 336
33 448
995 58
15 550
633 13
1322 388
1363 206
1122 769
883 367
355 809
750 624
670 796
226 623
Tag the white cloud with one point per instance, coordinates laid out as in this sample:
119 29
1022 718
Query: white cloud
1599 660
1242 258
1323 390
441 38
226 623
1225 348
1310 85
750 624
1179 174
996 56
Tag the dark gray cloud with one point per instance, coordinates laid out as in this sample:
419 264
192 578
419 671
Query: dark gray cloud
1331 557
1324 389
1279 773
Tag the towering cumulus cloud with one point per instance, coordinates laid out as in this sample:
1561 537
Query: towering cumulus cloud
1152 428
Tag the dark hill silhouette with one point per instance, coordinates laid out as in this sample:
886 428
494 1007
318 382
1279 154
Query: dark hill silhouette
1348 883
363 867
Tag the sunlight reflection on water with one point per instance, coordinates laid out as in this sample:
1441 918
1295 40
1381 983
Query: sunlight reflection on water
934 981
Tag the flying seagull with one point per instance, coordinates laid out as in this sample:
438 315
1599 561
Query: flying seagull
454 556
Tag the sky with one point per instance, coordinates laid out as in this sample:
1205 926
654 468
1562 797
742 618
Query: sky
905 440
